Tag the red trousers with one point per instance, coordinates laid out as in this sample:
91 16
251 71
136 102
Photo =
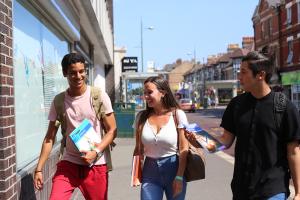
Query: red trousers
92 181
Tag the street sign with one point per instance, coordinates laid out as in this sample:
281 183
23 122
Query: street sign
130 64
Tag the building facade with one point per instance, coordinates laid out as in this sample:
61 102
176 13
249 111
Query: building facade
175 76
120 53
35 35
277 27
218 77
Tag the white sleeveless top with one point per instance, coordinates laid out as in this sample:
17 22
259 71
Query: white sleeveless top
164 143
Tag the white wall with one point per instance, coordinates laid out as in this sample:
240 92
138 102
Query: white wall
119 53
99 76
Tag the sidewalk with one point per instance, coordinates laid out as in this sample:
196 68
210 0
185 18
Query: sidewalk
214 187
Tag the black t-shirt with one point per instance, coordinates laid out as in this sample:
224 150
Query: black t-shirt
261 166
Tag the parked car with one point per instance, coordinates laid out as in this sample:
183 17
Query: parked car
187 105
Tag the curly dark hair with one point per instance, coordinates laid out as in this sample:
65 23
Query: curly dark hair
69 59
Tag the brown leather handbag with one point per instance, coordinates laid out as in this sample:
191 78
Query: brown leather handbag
195 161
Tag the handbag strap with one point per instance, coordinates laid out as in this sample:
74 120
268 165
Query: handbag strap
174 112
139 129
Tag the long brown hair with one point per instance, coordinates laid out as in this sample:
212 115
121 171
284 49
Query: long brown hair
168 101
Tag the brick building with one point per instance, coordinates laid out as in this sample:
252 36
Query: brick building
277 26
34 37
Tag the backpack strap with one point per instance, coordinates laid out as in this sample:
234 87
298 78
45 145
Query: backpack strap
97 104
280 103
59 104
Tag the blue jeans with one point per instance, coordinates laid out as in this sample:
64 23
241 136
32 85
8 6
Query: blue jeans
158 176
280 196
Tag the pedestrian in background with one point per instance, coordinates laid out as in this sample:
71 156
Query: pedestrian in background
73 170
265 154
159 141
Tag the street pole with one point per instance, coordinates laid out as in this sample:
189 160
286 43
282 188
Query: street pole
195 62
204 80
142 44
142 48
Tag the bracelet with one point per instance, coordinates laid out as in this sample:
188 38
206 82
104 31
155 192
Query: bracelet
37 171
179 178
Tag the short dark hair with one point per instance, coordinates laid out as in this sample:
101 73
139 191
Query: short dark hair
260 62
69 59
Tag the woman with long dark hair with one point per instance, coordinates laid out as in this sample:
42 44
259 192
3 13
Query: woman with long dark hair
161 142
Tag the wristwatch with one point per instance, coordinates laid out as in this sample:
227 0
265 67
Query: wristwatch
99 153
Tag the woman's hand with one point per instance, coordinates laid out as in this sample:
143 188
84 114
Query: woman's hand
191 137
177 187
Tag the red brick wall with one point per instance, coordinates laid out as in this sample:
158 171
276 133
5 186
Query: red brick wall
7 119
281 31
291 30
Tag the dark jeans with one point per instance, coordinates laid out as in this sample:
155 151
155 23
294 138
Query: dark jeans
158 176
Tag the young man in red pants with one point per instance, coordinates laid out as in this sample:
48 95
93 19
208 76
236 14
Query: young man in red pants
73 170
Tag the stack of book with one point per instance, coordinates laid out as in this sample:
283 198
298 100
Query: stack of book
85 137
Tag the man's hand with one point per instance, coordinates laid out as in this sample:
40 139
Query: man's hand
89 156
297 197
38 180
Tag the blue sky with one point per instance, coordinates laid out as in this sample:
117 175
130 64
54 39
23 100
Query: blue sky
180 27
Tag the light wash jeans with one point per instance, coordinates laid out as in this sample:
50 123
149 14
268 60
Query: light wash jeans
280 196
157 178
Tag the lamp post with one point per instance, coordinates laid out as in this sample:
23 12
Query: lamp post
142 46
190 54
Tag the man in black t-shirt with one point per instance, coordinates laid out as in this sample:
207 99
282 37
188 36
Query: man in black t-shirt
265 154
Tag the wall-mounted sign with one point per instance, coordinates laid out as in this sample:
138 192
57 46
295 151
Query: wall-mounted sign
290 78
129 64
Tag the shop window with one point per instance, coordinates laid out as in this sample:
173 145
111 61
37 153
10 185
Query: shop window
296 95
298 11
289 16
37 79
290 52
262 31
269 27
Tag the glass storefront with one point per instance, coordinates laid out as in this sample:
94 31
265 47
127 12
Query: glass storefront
296 95
225 95
37 79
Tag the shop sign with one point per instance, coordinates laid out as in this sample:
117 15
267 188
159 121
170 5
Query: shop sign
130 64
290 78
